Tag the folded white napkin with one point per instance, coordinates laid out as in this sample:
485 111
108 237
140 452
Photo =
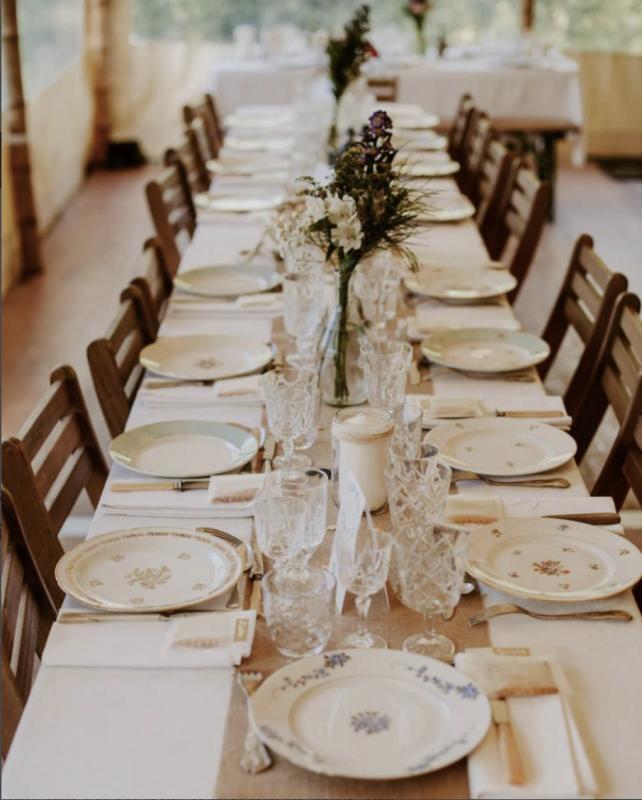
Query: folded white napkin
550 746
248 326
440 408
431 316
139 644
221 242
230 633
234 493
242 391
470 512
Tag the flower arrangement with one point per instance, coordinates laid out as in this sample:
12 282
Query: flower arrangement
418 10
346 56
368 205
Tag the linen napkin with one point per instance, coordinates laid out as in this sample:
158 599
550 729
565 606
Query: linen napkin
440 408
242 391
222 242
257 328
431 316
234 493
552 751
153 644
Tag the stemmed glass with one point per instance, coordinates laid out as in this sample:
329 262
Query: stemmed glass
431 574
280 519
377 286
288 406
363 571
303 311
386 365
408 425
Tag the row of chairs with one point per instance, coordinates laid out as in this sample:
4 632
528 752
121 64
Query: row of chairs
56 455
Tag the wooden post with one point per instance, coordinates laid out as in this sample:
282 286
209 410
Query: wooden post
528 15
99 36
18 146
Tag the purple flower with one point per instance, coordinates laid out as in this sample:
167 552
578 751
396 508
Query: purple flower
380 123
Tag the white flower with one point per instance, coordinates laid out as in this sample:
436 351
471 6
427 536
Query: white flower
340 209
314 208
347 235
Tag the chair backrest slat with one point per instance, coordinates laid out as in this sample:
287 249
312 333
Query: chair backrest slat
172 210
205 111
473 156
193 160
460 125
70 439
494 173
383 88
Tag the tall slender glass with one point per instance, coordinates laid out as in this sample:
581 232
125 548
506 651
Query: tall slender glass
377 286
288 407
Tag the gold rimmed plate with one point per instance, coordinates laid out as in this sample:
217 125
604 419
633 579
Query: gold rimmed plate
485 350
461 285
228 281
238 203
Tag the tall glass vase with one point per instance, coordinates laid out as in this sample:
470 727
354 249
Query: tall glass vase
342 379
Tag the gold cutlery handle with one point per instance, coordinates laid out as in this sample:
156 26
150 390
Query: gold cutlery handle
174 384
160 486
540 483
509 753
604 518
611 614
530 414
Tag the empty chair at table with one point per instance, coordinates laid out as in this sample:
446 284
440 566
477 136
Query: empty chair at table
519 221
460 127
585 304
490 185
171 207
192 158
154 284
475 145
205 110
28 612
383 88
47 466
114 359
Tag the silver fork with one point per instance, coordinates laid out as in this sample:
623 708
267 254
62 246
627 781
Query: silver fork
551 482
509 608
255 757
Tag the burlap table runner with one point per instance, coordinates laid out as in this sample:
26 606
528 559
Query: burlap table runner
285 780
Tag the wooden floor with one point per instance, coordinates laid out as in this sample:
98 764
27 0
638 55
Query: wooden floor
92 253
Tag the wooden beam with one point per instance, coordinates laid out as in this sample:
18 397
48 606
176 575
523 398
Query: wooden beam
528 15
99 37
18 146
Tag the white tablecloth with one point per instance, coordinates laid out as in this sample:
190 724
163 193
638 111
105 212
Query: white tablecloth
143 733
547 91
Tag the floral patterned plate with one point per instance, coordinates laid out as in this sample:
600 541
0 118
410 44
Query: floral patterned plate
554 560
461 285
148 569
205 357
485 349
184 448
502 448
370 714
227 281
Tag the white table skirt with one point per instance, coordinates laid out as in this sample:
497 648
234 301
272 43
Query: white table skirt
158 733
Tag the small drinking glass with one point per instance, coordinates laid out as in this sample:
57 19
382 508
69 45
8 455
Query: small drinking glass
300 615
303 312
386 365
377 286
287 403
409 425
280 519
363 570
431 574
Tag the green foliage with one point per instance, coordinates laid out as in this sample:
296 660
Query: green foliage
346 55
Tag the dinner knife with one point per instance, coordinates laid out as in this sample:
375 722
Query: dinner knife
159 486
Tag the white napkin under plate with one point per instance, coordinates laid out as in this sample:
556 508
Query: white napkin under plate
442 408
433 316
234 493
223 242
554 757
139 644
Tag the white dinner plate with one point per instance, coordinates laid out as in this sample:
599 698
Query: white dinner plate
448 209
485 349
184 448
414 122
461 285
247 144
502 448
148 569
238 203
429 169
278 119
204 356
228 281
370 714
418 141
246 165
555 560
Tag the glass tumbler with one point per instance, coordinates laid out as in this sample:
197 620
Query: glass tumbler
386 365
300 614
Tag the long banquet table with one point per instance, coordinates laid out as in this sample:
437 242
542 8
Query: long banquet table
95 731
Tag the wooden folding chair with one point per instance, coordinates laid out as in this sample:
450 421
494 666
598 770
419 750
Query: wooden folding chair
173 213
460 126
48 464
154 284
492 179
384 89
585 303
193 161
474 150
28 613
113 360
205 110
615 382
520 221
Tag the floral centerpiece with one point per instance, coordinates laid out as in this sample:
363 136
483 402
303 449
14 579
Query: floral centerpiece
346 56
368 205
418 10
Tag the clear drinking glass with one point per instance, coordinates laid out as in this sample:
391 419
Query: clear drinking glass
363 571
303 312
377 286
280 519
431 574
386 365
288 406
409 425
300 615
417 483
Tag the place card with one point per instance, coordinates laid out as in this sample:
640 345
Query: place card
352 506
